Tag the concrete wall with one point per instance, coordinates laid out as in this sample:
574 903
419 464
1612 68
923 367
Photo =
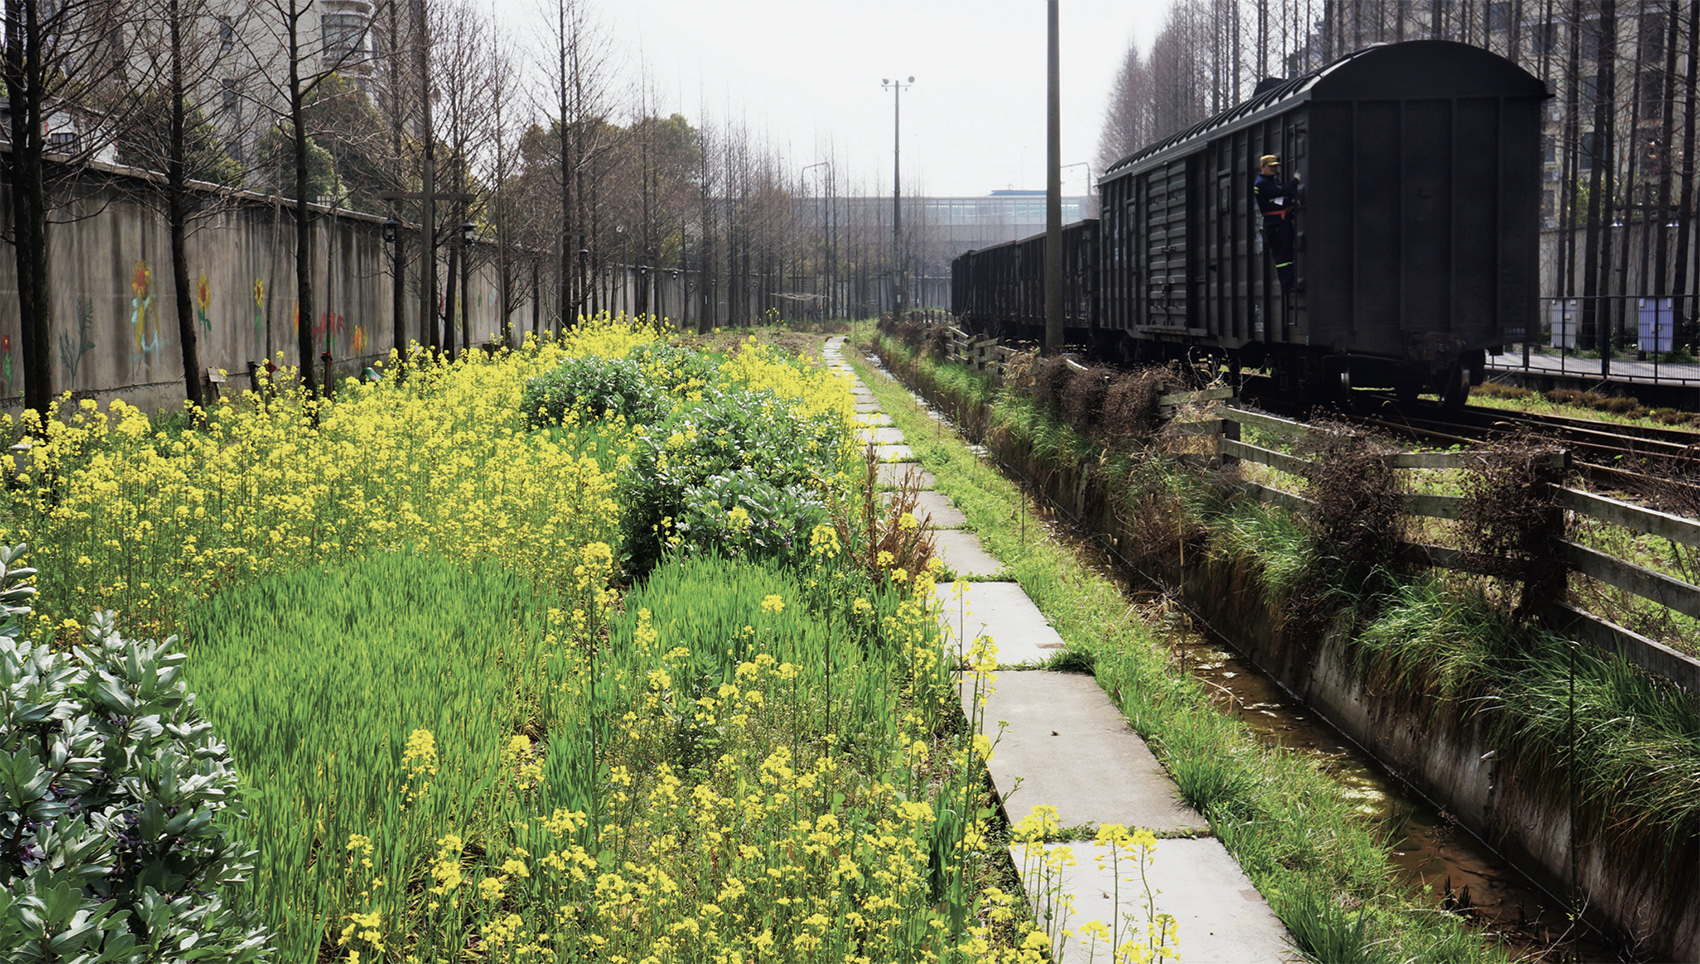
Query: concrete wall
114 330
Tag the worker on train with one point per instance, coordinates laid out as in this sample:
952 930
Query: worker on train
1275 202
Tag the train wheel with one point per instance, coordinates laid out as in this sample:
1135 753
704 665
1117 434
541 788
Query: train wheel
1457 390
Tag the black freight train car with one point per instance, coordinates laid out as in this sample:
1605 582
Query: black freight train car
1001 290
1416 233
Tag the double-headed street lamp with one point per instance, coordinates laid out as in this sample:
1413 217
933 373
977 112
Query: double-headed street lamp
897 87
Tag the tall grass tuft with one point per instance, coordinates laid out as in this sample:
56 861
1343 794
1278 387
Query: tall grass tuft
318 678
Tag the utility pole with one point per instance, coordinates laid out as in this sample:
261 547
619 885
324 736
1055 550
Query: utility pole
1053 195
897 87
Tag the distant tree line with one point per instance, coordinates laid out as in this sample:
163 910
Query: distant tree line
551 150
1619 139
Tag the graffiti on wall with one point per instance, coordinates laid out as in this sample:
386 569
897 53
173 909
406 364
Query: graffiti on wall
358 340
141 287
330 323
203 298
6 366
71 354
259 313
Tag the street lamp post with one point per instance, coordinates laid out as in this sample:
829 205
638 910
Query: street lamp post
896 87
826 243
467 230
392 236
584 292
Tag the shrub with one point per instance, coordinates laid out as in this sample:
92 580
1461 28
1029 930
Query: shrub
1050 381
1131 413
741 473
672 367
595 388
116 790
1357 499
1083 398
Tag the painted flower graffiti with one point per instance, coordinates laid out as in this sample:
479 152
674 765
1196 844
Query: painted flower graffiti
203 298
259 314
141 285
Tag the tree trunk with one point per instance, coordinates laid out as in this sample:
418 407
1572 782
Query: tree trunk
177 216
1685 203
303 214
24 76
449 300
1595 330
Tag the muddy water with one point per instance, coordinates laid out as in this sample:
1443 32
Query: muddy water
1433 854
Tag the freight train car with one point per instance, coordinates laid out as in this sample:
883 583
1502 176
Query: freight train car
1003 288
1416 229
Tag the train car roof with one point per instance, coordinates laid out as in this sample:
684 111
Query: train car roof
1412 70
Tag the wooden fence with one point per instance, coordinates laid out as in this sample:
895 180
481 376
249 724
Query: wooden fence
1226 421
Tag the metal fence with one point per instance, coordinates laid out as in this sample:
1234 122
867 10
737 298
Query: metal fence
1621 338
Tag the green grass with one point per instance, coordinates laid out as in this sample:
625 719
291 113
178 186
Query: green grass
317 678
1291 827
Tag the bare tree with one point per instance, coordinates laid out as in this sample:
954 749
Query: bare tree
309 58
179 41
1127 119
65 69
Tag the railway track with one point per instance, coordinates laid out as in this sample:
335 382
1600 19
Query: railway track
1652 463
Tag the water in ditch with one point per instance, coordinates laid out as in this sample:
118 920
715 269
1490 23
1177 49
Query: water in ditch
1429 849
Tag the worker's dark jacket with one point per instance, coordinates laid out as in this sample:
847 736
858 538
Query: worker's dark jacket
1273 202
1272 196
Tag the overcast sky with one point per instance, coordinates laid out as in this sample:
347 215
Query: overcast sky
805 75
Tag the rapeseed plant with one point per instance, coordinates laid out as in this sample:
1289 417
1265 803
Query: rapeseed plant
458 739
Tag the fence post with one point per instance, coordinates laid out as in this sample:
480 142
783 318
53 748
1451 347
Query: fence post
1546 576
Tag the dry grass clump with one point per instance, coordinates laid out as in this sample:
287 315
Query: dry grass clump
1357 516
935 342
1510 520
1021 369
1050 381
893 537
1083 397
1131 413
1624 405
1496 390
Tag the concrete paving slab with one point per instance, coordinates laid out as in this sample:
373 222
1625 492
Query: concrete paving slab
873 420
891 473
1070 748
880 436
868 406
1220 917
894 453
935 510
962 552
1003 612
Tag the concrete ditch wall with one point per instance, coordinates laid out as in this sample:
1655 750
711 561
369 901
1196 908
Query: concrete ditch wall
114 331
1652 905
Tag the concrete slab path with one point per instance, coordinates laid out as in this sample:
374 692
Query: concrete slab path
880 436
1220 917
962 552
938 512
891 473
894 453
1001 611
1070 748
